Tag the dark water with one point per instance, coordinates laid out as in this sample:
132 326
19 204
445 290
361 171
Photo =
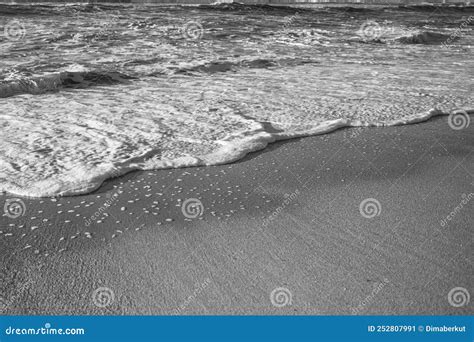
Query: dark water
143 41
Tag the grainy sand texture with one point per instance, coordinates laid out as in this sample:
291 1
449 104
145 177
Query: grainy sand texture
353 222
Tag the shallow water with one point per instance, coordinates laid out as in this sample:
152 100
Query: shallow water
92 92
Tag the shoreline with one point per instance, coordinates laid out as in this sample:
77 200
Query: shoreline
228 260
239 151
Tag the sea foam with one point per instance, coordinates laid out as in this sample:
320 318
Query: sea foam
123 96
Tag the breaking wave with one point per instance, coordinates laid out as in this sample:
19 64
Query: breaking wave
54 82
424 37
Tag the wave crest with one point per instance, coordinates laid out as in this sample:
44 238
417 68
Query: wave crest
423 37
54 82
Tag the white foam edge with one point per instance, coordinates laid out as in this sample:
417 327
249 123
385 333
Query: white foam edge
230 151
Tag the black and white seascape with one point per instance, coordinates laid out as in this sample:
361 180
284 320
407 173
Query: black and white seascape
235 158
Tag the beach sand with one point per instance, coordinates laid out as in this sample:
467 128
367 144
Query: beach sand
286 217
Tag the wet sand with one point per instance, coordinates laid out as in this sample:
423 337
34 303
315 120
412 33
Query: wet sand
288 216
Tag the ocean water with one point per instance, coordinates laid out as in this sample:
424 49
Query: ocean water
89 92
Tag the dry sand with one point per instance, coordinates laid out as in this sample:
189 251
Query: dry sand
229 260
